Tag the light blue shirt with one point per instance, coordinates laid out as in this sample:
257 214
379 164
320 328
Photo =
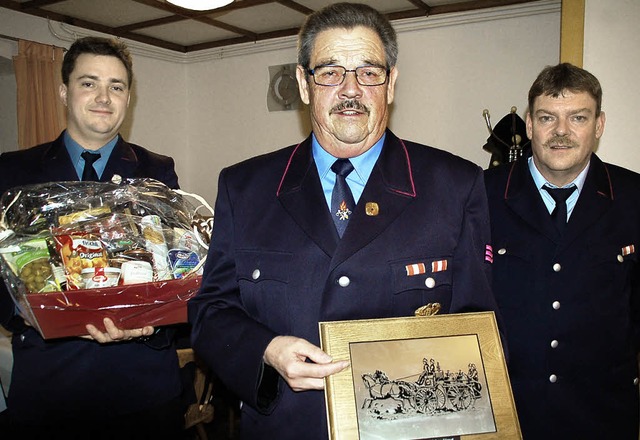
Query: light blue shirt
540 181
75 150
357 179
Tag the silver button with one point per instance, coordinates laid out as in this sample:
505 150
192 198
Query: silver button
621 258
255 274
344 281
556 305
554 344
502 251
557 267
635 381
22 337
430 283
553 378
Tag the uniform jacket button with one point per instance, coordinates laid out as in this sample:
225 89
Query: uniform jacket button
430 283
557 267
556 305
553 378
344 281
255 274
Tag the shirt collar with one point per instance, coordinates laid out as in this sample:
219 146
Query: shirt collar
75 150
540 181
362 164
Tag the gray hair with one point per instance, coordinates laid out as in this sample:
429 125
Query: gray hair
346 16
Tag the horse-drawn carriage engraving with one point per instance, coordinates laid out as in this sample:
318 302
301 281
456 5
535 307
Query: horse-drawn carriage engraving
435 390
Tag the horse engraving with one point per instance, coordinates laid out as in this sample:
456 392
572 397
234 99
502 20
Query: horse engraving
381 388
434 391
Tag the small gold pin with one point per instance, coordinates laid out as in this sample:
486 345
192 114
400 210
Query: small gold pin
428 310
372 209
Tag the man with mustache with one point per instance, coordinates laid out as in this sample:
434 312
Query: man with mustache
566 231
293 246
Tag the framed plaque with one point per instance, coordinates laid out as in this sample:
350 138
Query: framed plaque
435 377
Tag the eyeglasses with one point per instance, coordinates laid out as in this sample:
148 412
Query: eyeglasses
334 75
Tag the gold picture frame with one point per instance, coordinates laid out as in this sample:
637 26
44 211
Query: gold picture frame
428 377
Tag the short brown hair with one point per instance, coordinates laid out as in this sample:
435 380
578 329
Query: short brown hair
554 80
96 46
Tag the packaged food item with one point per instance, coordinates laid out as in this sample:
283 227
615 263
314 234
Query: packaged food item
97 277
137 255
185 239
30 262
80 251
183 262
59 276
134 272
82 216
155 243
116 232
36 274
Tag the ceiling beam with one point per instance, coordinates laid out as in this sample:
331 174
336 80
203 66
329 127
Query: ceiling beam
226 27
38 3
296 7
150 23
50 15
259 37
473 5
421 5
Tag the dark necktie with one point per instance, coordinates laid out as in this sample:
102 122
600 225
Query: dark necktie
342 202
559 214
89 172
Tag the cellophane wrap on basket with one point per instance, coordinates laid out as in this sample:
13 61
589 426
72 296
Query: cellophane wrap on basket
73 253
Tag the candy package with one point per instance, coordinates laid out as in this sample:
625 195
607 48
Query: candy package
72 253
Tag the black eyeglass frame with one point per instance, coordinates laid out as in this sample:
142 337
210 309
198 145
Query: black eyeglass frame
312 71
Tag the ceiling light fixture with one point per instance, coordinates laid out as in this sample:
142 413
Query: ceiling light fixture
200 5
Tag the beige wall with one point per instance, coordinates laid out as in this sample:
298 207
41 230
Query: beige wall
208 110
612 53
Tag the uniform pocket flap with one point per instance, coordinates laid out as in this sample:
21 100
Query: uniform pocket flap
258 266
421 273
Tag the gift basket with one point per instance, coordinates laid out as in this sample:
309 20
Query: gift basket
73 253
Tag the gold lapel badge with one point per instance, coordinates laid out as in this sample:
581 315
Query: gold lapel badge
372 209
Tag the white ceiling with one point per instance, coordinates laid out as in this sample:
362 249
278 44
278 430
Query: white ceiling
163 25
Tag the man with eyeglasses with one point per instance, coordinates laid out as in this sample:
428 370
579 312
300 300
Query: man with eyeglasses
351 223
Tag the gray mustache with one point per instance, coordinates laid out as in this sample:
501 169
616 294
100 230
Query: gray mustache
350 104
